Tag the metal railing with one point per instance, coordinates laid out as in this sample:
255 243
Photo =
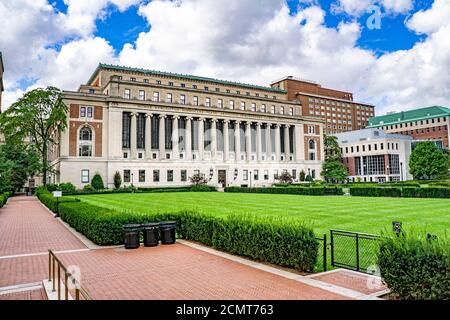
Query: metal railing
54 274
323 251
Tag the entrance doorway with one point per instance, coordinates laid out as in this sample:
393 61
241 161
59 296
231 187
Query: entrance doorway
223 178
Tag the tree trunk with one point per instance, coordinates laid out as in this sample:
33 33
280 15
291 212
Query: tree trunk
44 164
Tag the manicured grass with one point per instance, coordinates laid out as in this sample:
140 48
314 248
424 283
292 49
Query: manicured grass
370 215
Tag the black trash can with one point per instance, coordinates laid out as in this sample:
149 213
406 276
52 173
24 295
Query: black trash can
151 234
167 231
131 234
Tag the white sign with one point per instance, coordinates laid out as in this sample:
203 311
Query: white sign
57 194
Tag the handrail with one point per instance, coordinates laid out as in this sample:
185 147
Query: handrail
53 263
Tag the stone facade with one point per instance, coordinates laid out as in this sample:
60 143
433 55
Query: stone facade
159 129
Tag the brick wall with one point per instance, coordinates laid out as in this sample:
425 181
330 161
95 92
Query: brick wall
73 136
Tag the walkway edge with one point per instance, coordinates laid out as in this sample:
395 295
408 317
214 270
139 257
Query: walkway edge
286 274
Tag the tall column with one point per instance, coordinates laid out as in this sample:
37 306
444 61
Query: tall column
175 138
213 138
258 142
269 142
248 138
299 142
188 136
201 138
133 136
278 142
237 140
287 145
148 135
321 145
162 136
226 142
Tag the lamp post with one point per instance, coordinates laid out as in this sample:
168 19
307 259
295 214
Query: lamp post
401 171
250 177
132 179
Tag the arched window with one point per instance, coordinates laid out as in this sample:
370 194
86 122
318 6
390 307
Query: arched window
85 142
312 144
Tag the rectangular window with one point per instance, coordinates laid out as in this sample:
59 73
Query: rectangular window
126 130
169 98
156 96
169 175
242 105
89 112
220 103
82 112
182 99
195 101
245 175
312 156
266 174
208 102
256 175
141 95
84 176
183 175
263 108
126 175
127 94
141 175
272 109
231 104
140 131
155 175
253 107
291 111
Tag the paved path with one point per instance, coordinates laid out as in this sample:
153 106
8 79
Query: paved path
28 230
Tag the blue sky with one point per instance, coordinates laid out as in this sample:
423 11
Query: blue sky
124 27
396 67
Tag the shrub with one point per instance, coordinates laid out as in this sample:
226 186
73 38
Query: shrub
66 187
277 241
415 268
52 187
97 182
4 198
286 177
117 180
406 192
198 179
202 188
88 188
302 176
312 191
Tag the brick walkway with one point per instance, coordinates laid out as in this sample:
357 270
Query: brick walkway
172 272
27 227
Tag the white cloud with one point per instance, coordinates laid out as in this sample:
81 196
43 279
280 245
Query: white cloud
356 8
237 40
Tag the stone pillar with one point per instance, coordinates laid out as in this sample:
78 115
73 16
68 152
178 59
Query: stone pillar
321 146
175 138
162 137
248 139
188 143
201 138
237 140
287 148
148 136
213 138
133 136
277 142
269 142
258 142
299 143
226 143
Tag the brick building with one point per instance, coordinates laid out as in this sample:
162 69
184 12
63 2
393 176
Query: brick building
372 155
425 124
335 107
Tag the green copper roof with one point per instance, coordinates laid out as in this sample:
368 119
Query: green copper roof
183 76
407 116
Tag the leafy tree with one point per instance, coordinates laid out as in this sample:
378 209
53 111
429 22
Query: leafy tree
198 179
67 187
427 161
333 169
6 168
285 177
23 162
40 116
117 180
302 176
97 182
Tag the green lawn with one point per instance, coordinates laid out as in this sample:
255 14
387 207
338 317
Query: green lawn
370 215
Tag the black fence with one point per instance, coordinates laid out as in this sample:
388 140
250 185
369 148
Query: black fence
322 253
353 250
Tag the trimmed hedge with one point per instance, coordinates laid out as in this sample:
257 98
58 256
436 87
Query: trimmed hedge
142 190
406 192
4 198
278 241
415 268
313 191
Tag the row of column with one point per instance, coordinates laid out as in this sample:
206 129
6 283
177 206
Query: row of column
201 138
